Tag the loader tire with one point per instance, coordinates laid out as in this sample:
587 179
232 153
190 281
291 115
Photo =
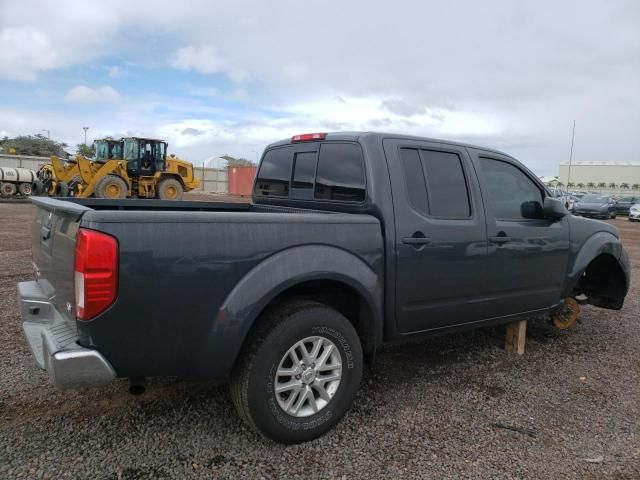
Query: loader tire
74 183
111 186
169 189
7 189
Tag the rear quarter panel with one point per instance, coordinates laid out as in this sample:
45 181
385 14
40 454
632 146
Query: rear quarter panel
177 270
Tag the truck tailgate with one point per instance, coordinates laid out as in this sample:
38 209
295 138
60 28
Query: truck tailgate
53 243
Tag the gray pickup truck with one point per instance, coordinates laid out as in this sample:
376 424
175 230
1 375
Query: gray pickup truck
351 240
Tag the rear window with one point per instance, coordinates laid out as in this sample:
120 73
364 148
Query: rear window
334 172
340 173
275 171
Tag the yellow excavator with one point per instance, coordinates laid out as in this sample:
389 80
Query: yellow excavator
124 168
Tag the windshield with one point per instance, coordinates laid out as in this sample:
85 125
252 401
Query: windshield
102 152
594 199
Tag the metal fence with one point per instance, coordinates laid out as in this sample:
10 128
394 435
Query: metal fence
212 180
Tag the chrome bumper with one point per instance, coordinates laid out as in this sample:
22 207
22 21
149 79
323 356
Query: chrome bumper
53 343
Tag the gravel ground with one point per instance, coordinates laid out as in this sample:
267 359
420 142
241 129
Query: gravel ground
427 410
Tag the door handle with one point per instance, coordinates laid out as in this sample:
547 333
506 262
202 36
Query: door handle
416 240
500 239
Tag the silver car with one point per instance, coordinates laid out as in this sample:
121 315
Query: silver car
634 212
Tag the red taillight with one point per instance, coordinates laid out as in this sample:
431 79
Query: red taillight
95 273
308 137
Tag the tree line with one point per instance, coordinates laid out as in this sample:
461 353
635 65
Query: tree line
611 185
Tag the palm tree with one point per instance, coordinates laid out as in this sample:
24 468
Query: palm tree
602 185
624 186
635 186
559 184
612 185
580 185
570 184
591 185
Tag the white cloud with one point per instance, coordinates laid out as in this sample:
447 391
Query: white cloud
23 52
204 59
84 94
116 72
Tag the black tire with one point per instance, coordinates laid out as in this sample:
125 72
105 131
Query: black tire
37 187
614 215
254 377
7 189
111 186
25 189
169 189
74 182
62 189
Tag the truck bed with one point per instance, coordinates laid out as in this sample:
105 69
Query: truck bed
189 270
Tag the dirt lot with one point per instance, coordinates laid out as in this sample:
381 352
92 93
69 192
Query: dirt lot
427 409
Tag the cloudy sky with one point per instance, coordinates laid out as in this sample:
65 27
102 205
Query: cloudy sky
215 77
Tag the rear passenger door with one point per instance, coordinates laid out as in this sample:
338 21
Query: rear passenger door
441 249
528 254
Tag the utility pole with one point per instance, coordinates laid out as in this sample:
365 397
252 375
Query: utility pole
256 156
48 133
85 134
573 133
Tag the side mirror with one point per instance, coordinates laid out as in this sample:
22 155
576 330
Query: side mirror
554 209
531 209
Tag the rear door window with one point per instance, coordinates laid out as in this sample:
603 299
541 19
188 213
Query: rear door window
340 173
435 181
447 187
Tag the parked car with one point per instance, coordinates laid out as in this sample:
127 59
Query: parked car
565 197
351 240
595 206
623 204
634 213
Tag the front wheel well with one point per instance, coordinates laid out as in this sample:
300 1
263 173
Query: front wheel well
603 282
337 295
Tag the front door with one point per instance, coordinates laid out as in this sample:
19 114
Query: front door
441 248
527 253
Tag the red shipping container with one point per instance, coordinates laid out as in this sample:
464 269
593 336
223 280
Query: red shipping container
240 180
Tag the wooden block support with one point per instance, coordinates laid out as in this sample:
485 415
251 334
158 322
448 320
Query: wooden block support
516 336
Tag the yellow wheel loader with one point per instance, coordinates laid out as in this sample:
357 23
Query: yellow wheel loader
129 167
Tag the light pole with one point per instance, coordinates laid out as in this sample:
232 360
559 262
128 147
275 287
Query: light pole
85 134
256 155
48 133
573 133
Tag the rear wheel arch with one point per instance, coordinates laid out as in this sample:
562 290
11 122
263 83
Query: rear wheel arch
312 272
336 294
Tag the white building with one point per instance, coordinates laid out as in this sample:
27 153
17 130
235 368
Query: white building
600 172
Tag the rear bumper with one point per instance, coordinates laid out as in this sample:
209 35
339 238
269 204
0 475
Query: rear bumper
53 343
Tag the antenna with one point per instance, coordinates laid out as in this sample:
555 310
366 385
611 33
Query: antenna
573 133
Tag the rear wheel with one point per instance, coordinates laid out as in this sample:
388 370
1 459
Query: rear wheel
25 189
7 189
169 189
111 186
299 374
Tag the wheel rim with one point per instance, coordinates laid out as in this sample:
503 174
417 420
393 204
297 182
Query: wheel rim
308 376
567 316
113 190
171 192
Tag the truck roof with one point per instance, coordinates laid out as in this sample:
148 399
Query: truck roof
356 135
